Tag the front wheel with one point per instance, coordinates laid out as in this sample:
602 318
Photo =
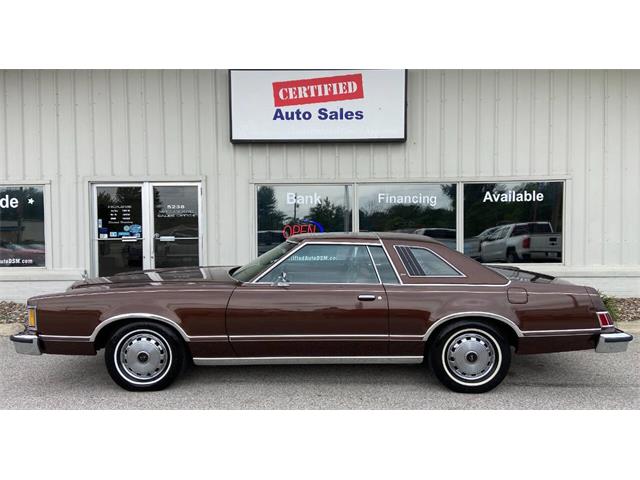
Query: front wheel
144 356
470 357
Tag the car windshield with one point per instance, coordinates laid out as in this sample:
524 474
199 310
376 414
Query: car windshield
264 261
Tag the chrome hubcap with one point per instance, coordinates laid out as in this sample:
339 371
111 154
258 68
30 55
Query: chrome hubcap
470 356
143 355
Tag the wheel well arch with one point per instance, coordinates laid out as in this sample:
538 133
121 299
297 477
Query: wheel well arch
104 330
503 325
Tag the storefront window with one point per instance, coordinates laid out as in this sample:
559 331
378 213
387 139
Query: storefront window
513 221
286 210
22 241
422 208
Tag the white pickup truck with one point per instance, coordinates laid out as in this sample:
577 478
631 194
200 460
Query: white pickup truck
522 242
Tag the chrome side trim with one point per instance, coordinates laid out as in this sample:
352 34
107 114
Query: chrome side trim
85 339
384 248
558 293
453 316
133 316
77 294
266 287
452 284
406 338
209 338
65 338
567 331
305 360
373 262
448 291
330 337
318 283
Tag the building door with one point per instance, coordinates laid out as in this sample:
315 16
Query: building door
146 225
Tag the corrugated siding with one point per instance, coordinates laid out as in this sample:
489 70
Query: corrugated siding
67 127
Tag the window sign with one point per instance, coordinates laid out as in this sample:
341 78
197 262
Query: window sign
286 210
421 208
22 241
119 212
513 221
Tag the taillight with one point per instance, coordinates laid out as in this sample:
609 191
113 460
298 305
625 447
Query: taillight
605 319
526 242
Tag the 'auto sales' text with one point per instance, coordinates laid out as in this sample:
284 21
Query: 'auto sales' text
320 114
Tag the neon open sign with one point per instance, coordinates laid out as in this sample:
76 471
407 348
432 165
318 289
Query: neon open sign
305 226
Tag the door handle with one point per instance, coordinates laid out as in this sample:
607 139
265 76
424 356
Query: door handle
366 298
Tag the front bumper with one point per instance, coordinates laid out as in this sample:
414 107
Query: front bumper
26 343
613 342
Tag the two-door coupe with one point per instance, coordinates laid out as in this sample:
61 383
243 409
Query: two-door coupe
323 298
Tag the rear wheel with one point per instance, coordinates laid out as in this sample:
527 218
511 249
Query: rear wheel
470 357
144 356
512 256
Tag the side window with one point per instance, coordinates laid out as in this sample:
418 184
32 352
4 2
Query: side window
500 233
520 230
420 262
385 269
326 264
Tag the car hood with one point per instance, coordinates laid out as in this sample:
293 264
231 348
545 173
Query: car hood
161 276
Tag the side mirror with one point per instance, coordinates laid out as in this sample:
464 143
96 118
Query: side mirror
281 281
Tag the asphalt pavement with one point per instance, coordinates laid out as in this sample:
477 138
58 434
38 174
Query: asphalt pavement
574 380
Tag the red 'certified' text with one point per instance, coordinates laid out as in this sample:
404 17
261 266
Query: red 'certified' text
318 90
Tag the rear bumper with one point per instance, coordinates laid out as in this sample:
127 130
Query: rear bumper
613 342
26 343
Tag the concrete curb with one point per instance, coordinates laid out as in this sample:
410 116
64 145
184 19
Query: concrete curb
7 329
629 327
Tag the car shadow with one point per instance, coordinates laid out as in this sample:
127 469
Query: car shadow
257 386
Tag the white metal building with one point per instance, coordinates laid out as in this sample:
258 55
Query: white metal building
71 138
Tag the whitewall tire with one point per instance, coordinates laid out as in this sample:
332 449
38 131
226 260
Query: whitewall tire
470 357
144 356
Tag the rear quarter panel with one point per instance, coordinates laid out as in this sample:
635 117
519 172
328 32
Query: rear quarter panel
545 316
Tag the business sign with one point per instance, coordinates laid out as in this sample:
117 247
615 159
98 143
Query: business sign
317 105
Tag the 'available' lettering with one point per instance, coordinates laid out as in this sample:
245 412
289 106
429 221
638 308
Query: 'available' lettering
512 196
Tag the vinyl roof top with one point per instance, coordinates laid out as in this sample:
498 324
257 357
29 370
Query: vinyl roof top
362 236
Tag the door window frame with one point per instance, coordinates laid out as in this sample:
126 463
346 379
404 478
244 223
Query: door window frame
148 228
301 245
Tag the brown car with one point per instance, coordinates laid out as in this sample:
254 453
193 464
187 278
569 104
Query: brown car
324 298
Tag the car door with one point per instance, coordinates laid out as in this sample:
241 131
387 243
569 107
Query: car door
323 299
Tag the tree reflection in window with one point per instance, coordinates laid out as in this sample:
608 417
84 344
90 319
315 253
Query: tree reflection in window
322 208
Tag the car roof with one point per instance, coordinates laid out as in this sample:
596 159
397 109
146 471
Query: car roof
362 236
